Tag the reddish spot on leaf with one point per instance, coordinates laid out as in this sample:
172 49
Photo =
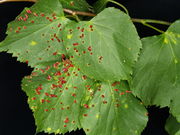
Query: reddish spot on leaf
46 110
35 14
55 53
104 102
49 77
59 25
32 21
28 11
75 44
42 14
74 95
86 106
103 96
116 90
85 115
82 30
58 73
122 93
89 48
34 98
66 120
127 91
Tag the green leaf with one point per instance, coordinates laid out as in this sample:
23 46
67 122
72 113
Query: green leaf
104 48
55 95
172 126
100 5
113 111
156 76
79 5
36 34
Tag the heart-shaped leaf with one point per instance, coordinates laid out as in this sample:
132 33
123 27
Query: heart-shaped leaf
106 47
156 78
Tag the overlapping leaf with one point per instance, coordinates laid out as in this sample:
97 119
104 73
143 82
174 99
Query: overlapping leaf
63 99
36 34
79 5
172 126
114 111
156 79
100 5
106 47
55 96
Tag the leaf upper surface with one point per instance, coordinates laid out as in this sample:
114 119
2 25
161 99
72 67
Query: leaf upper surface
106 47
79 5
114 111
55 95
156 78
36 34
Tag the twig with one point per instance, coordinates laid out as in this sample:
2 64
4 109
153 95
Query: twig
3 1
78 12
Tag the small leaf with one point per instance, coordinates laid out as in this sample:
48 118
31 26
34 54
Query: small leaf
156 76
36 34
172 126
113 111
55 95
106 47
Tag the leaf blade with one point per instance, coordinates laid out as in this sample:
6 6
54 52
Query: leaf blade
100 47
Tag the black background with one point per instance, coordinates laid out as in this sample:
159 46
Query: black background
16 117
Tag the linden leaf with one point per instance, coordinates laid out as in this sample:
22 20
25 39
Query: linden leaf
156 78
79 5
113 110
106 47
36 34
172 126
55 95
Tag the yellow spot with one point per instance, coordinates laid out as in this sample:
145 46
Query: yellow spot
175 61
63 18
33 43
126 106
69 36
97 116
114 128
57 131
135 131
49 129
166 41
33 108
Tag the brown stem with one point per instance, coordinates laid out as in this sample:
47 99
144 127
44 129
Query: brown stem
3 1
78 12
